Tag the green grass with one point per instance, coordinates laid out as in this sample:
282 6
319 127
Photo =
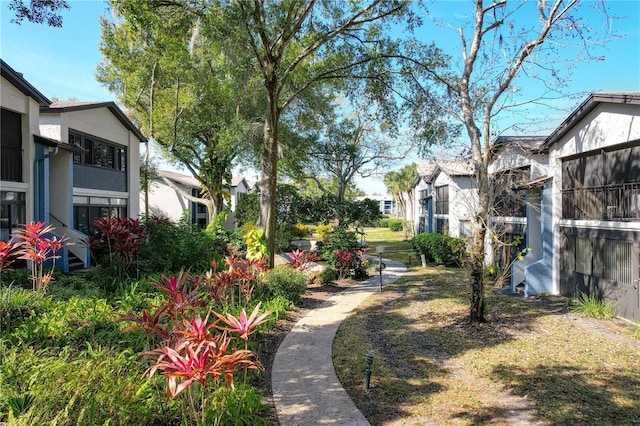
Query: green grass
396 246
593 307
432 367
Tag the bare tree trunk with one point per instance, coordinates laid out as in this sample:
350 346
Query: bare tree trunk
269 171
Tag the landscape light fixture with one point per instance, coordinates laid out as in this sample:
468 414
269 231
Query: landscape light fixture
369 361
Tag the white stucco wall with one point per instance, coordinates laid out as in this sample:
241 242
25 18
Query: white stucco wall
463 199
13 99
607 125
102 123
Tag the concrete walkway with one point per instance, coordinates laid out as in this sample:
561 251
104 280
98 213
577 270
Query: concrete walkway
306 389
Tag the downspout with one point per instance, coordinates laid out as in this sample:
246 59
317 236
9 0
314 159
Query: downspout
41 185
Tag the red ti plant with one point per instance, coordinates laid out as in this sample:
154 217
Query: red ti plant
181 292
121 238
37 248
301 260
241 274
7 253
193 352
344 259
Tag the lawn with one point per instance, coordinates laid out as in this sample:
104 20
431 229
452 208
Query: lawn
533 362
395 244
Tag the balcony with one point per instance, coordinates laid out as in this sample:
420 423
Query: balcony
613 202
11 164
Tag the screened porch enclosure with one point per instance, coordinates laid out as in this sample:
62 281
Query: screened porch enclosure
602 186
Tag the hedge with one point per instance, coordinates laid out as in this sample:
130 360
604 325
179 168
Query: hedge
396 225
440 249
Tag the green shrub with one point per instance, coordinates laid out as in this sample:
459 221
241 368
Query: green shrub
591 306
285 234
16 278
286 282
440 249
18 305
301 231
171 246
395 225
324 230
384 222
342 240
328 275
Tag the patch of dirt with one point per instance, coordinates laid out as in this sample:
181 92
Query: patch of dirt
316 296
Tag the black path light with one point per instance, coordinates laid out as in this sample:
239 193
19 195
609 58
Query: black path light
369 361
381 266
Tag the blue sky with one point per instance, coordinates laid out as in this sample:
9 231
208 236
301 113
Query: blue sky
61 62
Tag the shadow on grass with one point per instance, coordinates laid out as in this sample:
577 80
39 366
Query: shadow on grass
566 395
421 323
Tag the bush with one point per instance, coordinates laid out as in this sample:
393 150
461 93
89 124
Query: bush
591 306
395 225
333 251
440 249
328 275
286 282
384 222
324 230
17 305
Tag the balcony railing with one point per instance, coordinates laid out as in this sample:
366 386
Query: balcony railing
612 202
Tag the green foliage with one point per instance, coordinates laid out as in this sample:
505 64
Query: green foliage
440 249
247 209
324 230
384 222
286 282
328 275
172 246
332 250
593 307
16 277
395 225
256 244
17 305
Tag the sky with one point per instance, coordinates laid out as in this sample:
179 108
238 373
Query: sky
61 62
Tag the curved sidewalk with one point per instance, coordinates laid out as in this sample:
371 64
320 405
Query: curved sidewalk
306 389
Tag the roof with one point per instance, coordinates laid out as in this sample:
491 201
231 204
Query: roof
179 178
588 105
68 106
454 168
193 182
18 80
54 143
533 144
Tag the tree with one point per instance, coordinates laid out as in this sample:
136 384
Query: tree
501 43
299 44
190 95
39 11
392 181
349 147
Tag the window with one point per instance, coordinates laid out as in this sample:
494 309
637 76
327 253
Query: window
442 226
87 209
442 199
604 258
617 261
99 153
506 199
389 206
584 255
12 212
11 146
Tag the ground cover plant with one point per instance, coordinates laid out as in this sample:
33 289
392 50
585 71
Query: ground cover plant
534 362
86 353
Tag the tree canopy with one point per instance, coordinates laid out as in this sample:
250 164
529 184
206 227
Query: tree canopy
190 93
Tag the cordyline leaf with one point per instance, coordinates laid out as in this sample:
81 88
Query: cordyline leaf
243 325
